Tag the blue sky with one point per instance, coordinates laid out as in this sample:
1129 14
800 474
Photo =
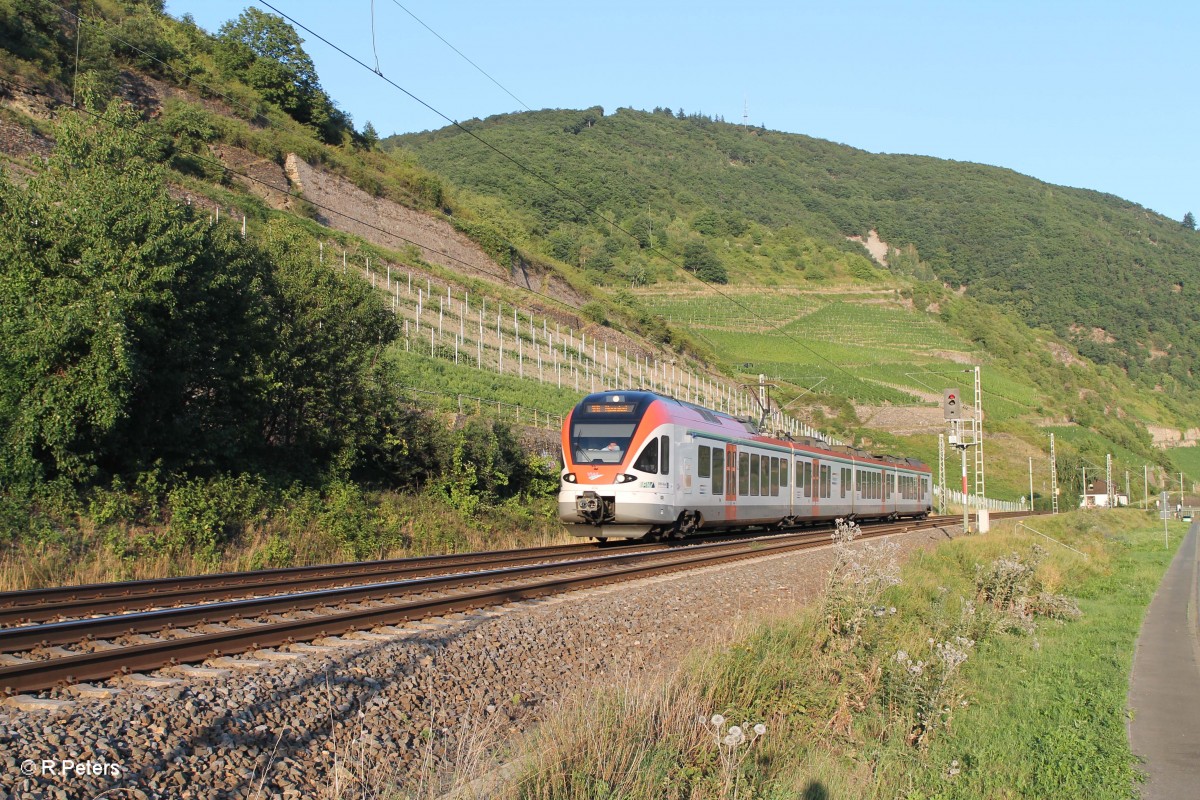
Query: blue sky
1099 95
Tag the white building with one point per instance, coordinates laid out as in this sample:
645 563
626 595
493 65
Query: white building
1097 496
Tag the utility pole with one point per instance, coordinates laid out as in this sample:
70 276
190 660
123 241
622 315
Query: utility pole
977 425
1053 477
942 471
1145 485
952 412
1108 480
962 447
1031 483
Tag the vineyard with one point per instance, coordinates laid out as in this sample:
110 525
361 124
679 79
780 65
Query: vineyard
449 334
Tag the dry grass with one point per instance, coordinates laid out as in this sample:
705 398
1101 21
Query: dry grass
410 526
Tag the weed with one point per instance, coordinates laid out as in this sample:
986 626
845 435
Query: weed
856 582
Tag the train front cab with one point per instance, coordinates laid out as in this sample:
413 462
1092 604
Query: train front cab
617 455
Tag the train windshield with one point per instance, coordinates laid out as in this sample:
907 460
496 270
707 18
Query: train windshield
604 442
602 427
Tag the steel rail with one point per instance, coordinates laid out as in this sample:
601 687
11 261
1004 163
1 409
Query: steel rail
158 587
76 630
29 606
44 674
119 603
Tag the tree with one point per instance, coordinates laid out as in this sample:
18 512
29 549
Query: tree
1189 221
698 259
137 333
266 53
708 222
131 328
331 331
370 136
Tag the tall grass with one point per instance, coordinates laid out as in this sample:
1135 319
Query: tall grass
996 668
340 523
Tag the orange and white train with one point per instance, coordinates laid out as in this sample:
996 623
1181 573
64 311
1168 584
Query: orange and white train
639 464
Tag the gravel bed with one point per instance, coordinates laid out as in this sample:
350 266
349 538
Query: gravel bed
407 706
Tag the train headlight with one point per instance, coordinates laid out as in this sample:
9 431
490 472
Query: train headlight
626 478
570 478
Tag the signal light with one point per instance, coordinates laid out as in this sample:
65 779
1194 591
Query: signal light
951 405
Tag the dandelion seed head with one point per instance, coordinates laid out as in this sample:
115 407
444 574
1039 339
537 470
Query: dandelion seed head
718 720
760 729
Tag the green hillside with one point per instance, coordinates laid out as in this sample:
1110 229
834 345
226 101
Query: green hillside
176 393
1119 282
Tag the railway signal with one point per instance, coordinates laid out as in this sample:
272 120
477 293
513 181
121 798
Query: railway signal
951 404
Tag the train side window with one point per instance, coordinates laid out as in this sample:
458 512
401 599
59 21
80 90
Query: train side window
665 457
804 477
704 462
754 472
783 474
744 474
647 460
718 472
845 480
826 475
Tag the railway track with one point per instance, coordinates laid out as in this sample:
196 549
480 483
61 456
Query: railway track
193 619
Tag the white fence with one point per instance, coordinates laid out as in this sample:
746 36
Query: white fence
957 498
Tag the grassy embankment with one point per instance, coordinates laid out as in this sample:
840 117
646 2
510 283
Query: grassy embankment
996 667
232 524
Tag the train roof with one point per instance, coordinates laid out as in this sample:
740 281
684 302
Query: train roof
744 426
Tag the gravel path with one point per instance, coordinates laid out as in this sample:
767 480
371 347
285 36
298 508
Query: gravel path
405 705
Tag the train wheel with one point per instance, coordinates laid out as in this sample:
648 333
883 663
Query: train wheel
687 524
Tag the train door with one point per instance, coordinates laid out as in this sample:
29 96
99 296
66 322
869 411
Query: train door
731 481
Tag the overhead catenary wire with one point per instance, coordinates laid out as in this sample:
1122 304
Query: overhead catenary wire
260 118
525 168
219 164
256 116
481 70
253 114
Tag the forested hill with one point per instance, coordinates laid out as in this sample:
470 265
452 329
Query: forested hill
1120 281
